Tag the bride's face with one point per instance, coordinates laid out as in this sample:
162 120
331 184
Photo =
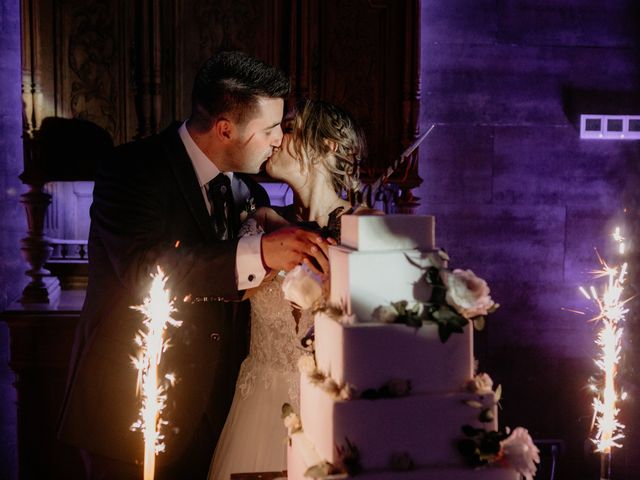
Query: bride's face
284 164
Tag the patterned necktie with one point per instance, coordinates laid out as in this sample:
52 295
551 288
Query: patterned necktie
222 207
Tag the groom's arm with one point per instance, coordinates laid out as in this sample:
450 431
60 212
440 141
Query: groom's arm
250 271
129 218
281 248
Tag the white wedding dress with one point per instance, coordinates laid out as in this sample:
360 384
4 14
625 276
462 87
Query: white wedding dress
254 436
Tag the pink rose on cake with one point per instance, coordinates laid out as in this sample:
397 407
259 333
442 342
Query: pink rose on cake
520 453
467 293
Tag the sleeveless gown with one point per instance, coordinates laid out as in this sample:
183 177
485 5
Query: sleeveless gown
254 436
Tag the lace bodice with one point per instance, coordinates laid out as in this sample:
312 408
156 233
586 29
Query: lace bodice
275 343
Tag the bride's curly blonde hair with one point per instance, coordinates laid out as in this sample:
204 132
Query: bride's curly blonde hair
326 134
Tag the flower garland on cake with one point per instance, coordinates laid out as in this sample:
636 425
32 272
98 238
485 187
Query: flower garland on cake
502 448
480 447
457 298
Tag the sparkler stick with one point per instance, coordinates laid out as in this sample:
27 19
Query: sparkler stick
611 315
157 309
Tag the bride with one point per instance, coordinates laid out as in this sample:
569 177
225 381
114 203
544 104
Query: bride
318 160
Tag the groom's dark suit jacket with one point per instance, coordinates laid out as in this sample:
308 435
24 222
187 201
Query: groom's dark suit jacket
148 210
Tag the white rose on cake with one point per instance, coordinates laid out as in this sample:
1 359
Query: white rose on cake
307 364
292 423
520 453
302 287
467 293
480 384
385 314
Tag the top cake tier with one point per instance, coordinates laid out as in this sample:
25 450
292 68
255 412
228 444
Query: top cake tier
388 232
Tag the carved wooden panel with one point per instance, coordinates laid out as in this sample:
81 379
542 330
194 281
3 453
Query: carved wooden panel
364 55
257 27
76 63
129 66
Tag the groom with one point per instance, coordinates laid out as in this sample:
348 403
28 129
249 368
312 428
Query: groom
172 200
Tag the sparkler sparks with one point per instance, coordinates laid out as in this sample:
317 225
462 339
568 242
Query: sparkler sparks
157 309
611 315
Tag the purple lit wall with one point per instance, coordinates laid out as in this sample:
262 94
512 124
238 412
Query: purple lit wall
522 201
13 228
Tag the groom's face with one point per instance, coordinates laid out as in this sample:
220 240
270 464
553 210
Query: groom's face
257 137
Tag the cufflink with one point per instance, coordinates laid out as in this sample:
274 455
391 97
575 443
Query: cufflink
251 277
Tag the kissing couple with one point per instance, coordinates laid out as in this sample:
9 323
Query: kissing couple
179 200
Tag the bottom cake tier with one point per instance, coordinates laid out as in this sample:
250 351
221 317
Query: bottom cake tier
301 455
424 427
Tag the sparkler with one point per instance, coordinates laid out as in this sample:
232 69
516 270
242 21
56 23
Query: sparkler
611 315
157 309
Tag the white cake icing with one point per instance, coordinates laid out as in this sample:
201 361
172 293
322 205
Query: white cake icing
389 232
362 281
301 455
366 355
383 259
383 427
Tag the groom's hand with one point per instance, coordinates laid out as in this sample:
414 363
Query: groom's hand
287 247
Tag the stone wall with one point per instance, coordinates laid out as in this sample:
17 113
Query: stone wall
522 201
12 267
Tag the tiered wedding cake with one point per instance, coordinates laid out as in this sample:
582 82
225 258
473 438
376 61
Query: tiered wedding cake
391 383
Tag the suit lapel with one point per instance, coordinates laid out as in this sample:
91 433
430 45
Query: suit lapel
187 179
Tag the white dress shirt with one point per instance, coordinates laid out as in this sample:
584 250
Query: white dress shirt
249 269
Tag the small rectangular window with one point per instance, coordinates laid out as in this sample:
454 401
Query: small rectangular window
614 125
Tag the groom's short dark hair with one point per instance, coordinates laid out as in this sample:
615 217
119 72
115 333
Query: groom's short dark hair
229 83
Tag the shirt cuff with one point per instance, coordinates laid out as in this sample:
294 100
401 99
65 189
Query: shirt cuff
249 269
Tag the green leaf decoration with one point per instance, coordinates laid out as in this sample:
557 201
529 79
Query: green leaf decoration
467 447
474 403
498 393
392 389
493 308
490 444
486 415
412 319
437 310
470 431
401 462
432 277
449 321
401 307
438 295
442 253
481 447
479 323
349 458
370 394
320 470
444 333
